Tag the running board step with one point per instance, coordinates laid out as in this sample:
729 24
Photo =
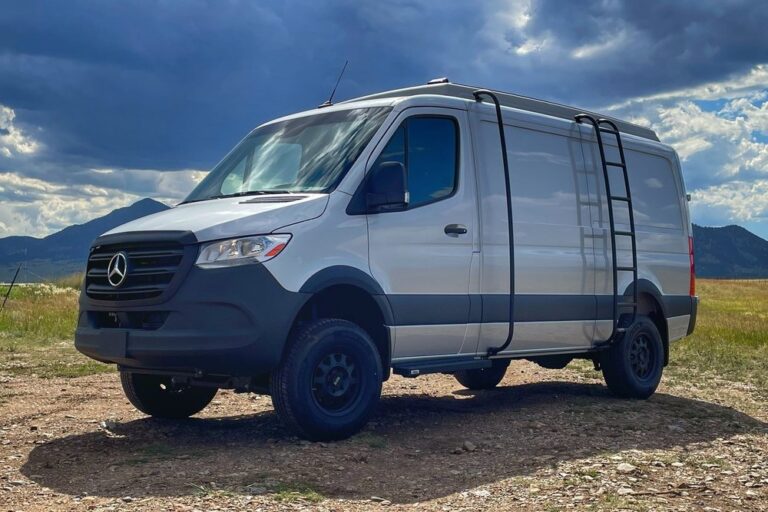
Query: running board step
416 368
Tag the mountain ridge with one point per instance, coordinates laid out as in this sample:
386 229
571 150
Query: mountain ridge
65 252
729 252
720 252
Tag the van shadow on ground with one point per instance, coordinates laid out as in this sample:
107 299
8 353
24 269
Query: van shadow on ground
406 455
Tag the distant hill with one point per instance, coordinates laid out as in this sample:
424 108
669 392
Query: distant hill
729 251
66 251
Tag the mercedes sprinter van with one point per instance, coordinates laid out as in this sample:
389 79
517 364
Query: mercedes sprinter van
433 229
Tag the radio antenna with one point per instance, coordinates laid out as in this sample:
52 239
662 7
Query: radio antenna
329 102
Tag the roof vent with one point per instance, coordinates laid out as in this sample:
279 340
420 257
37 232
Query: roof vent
443 80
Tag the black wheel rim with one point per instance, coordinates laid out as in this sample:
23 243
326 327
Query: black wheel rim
642 356
336 382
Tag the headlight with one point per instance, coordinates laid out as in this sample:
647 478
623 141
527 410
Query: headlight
239 251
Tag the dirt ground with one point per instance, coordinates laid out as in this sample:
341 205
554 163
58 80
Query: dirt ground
545 440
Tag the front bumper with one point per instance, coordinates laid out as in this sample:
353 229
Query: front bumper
227 321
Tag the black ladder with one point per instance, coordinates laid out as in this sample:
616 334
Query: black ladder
602 126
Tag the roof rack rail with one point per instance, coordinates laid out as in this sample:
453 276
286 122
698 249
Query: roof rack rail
443 87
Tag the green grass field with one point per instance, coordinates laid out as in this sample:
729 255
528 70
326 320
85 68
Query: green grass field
730 342
36 332
731 337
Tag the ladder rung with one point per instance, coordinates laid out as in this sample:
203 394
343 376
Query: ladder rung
626 304
609 130
620 198
626 269
624 233
621 330
616 164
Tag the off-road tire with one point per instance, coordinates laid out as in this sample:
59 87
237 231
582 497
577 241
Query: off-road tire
633 365
483 378
156 396
329 381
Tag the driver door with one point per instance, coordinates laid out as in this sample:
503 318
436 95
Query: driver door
423 255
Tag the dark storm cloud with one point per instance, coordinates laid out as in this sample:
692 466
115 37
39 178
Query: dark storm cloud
670 44
168 85
171 85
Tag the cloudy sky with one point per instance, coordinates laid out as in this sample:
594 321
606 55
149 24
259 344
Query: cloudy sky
105 102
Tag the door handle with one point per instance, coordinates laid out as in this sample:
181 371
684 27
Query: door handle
455 229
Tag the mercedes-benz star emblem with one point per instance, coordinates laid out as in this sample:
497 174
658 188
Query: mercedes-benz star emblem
117 269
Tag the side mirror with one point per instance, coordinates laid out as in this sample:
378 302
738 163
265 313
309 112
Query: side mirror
386 189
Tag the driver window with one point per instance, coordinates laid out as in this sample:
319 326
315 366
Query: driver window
428 148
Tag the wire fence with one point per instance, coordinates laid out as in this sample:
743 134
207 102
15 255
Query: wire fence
20 277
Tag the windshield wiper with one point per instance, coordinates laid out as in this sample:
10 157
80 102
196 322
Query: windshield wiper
240 194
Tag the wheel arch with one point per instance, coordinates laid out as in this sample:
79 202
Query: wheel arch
350 294
651 304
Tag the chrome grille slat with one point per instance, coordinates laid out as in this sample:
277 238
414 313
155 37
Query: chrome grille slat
102 289
151 268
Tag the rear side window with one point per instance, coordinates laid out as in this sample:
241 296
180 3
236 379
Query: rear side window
428 148
655 195
544 179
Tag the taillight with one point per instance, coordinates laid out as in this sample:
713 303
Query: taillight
692 290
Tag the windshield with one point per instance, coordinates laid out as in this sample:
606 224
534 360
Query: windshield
307 154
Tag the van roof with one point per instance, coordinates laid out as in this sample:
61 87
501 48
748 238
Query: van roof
445 88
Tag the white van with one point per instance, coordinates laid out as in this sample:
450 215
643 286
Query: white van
400 232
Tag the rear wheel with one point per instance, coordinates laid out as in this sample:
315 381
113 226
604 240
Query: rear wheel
484 378
157 396
633 365
329 381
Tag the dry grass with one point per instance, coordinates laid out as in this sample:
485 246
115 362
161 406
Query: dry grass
39 311
73 281
37 330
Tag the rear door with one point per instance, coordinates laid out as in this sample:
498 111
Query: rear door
422 256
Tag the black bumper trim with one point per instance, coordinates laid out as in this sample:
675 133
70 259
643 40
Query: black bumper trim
694 313
229 321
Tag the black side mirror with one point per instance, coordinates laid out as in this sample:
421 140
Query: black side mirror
386 188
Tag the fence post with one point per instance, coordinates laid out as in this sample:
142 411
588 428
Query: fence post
13 281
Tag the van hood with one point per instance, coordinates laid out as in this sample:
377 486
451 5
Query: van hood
232 216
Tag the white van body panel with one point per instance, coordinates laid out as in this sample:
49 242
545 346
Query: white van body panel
333 239
230 217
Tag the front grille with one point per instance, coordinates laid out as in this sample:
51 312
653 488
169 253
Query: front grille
151 267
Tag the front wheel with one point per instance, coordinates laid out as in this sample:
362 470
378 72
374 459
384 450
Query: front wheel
632 366
158 396
329 381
